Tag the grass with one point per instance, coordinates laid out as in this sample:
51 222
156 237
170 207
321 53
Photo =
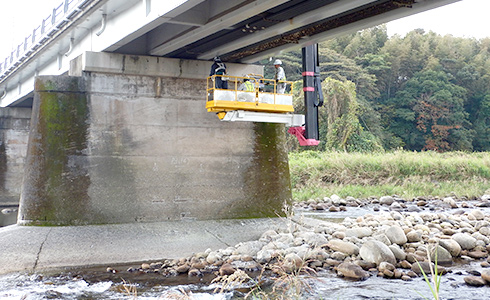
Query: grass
407 174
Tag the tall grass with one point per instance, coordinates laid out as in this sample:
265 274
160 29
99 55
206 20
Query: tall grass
407 174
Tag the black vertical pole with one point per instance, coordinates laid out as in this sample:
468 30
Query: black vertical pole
312 90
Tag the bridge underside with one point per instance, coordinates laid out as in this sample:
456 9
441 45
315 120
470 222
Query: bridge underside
246 31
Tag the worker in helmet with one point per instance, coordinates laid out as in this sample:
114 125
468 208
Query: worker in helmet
219 68
279 76
247 85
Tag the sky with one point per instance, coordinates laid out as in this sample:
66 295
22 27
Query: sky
466 18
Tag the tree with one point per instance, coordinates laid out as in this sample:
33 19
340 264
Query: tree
344 131
433 110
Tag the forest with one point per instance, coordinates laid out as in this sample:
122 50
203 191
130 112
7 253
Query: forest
419 92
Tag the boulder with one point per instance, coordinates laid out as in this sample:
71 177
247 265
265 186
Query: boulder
376 252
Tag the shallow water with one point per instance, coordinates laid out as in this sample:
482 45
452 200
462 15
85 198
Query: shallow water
73 286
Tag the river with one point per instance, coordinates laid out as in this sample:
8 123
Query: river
97 283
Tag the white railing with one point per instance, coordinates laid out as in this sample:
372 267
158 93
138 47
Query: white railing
60 15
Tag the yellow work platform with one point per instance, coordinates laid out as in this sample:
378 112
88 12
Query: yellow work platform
259 95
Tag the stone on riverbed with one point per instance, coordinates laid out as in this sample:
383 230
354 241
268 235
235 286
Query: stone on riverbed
485 274
466 241
376 252
451 245
474 281
386 200
440 255
396 235
359 232
352 271
344 247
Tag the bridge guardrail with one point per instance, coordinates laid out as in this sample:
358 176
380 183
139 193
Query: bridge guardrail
60 15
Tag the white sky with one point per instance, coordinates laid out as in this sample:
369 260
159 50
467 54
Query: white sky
466 18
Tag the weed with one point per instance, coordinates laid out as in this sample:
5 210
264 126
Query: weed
435 281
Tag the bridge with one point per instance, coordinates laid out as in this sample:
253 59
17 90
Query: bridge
119 132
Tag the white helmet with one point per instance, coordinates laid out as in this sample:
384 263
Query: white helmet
277 62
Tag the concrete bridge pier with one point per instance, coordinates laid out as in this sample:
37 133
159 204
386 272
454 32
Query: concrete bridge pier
14 133
127 139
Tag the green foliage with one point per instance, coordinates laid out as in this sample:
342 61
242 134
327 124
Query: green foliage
422 91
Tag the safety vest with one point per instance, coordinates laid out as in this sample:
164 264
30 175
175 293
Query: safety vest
249 86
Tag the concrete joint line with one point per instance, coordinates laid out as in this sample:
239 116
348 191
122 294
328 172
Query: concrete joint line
40 250
218 238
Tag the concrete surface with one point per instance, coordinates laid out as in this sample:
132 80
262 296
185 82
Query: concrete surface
14 132
124 147
33 249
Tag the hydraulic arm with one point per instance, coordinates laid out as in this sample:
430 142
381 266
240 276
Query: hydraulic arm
308 135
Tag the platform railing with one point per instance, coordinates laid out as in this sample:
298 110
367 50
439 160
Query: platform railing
264 96
59 16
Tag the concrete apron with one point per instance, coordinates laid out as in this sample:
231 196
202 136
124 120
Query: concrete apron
36 249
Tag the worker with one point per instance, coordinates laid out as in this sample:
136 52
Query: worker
247 86
279 76
219 68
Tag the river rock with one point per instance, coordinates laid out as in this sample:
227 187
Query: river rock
292 262
352 271
478 214
386 200
376 252
313 239
226 269
485 274
451 245
397 252
474 281
396 235
382 238
344 247
359 232
466 241
414 236
264 256
477 254
249 248
443 256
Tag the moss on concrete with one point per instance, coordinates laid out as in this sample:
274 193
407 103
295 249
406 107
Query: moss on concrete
267 186
55 191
